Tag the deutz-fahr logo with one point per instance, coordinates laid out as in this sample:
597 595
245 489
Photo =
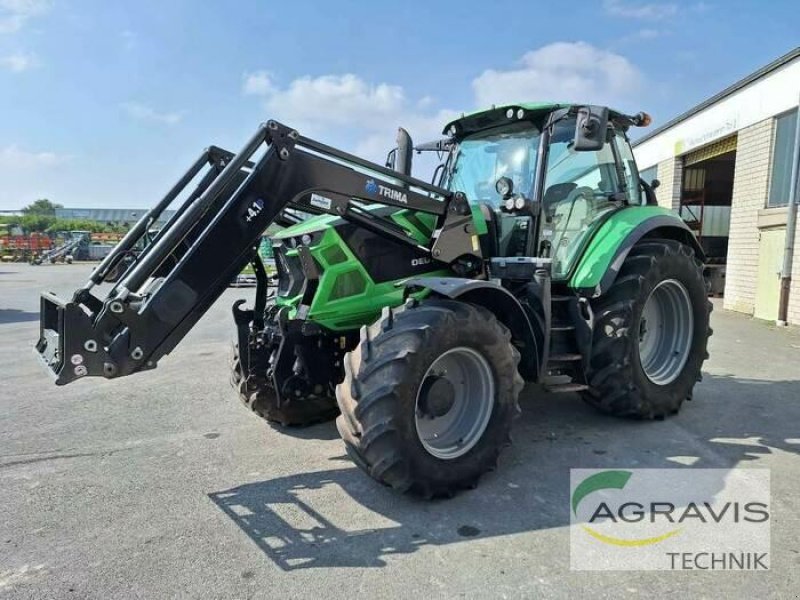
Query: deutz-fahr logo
387 192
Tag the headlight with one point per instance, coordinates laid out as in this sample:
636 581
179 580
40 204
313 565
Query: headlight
504 186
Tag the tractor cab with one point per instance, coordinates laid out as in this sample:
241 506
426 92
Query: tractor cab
545 176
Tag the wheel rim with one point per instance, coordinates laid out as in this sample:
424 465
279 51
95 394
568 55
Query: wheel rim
454 403
666 329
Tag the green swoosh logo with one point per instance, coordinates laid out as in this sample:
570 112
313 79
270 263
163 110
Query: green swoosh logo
599 481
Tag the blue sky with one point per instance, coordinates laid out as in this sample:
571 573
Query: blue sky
105 103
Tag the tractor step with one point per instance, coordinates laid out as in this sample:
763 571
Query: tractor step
562 328
564 388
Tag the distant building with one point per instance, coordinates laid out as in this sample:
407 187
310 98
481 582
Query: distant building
726 166
109 215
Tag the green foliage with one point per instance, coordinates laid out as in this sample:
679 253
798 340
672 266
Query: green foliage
41 223
41 207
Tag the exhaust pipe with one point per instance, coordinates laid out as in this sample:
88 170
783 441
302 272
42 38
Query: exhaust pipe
404 152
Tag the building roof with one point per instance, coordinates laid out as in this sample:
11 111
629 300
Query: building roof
753 77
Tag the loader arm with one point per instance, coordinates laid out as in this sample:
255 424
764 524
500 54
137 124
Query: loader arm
213 235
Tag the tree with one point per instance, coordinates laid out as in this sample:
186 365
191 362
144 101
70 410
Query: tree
42 207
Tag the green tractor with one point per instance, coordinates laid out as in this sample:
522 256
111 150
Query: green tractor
414 312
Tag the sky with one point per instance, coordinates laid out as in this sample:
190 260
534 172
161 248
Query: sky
106 103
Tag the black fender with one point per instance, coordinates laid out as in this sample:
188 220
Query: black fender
657 227
502 303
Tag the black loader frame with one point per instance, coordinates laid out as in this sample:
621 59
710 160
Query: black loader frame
165 290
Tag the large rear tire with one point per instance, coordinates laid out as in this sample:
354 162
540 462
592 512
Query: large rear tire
650 334
257 395
429 395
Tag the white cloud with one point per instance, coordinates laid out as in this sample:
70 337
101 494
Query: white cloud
18 62
144 112
14 158
653 11
562 71
334 100
362 116
15 13
347 110
258 83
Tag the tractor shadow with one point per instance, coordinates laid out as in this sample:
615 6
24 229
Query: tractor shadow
338 517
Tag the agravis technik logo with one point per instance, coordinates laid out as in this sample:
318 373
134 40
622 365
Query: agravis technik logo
714 519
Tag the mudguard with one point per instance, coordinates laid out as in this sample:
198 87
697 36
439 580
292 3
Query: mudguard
503 305
609 246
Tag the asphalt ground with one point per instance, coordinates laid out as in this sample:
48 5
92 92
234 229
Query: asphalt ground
161 485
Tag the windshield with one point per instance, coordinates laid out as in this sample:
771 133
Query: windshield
484 157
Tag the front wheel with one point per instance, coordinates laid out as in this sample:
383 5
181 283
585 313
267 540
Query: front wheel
429 395
258 395
650 333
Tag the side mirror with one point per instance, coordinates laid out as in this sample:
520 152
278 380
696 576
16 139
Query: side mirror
591 126
654 184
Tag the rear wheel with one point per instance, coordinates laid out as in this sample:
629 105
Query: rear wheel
259 396
650 334
429 395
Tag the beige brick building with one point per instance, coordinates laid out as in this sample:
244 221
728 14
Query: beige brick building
727 166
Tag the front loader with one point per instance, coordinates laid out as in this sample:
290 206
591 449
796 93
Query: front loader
414 311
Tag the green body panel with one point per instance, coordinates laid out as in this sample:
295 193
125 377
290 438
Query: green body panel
603 245
481 228
346 295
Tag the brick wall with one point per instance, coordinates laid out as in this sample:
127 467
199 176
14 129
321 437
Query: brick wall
669 174
750 184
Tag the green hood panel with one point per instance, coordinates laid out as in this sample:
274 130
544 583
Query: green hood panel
610 244
346 295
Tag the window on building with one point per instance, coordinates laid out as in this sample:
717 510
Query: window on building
782 154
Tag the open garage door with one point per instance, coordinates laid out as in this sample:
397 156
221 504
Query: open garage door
706 203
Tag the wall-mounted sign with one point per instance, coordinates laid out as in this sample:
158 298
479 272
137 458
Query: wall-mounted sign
707 135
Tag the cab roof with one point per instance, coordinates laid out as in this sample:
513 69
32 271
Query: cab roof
497 115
